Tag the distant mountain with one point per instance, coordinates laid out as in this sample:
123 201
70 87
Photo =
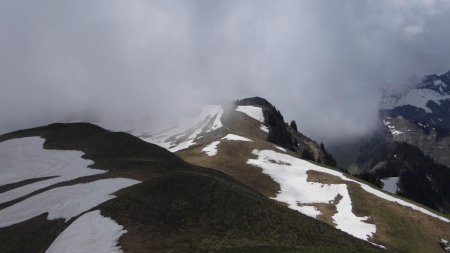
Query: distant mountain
410 152
421 117
80 188
427 104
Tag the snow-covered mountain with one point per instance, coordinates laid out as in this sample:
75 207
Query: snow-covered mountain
410 153
426 104
187 131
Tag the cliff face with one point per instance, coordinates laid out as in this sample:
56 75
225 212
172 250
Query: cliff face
430 141
420 116
409 154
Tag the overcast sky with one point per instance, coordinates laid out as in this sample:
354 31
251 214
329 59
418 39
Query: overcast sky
322 63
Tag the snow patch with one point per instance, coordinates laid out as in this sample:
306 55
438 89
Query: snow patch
234 137
296 191
64 202
280 148
264 128
25 158
290 173
211 149
91 232
390 184
392 129
252 111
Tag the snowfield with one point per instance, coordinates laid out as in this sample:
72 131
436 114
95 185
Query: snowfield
252 111
64 202
25 158
184 134
414 97
235 137
91 232
211 149
299 194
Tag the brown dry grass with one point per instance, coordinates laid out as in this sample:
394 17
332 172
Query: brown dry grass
232 160
398 228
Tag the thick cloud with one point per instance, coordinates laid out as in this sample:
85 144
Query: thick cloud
323 63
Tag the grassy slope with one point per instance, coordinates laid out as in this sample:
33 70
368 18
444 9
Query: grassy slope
178 207
399 228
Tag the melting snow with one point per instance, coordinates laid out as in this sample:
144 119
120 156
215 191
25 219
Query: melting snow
234 137
252 111
211 149
280 148
25 158
390 184
264 128
91 232
415 97
394 131
290 173
64 202
185 133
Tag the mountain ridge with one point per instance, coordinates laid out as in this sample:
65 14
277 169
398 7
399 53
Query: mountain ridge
166 209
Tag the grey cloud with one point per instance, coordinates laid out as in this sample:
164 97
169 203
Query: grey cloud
323 63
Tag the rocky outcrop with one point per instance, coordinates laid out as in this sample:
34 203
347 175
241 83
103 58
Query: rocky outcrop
429 140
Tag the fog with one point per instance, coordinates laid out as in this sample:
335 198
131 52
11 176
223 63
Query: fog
322 63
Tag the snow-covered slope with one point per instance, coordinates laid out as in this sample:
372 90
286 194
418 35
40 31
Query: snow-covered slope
142 190
426 103
91 232
419 98
255 113
64 202
300 194
352 206
25 158
252 111
38 181
211 149
186 132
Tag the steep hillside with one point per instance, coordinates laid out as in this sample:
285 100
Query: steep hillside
285 135
80 188
277 171
421 116
251 116
403 169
